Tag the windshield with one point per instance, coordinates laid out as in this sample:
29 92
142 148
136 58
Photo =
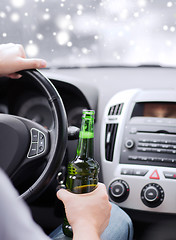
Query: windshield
92 32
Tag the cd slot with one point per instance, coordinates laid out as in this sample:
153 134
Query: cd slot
157 132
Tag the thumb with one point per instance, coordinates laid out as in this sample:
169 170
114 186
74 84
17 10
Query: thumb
63 195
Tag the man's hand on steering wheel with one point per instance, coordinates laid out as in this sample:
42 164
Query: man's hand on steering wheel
13 59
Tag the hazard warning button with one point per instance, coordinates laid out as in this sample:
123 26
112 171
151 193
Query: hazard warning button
154 175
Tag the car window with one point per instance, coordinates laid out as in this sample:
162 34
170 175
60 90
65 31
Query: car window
92 32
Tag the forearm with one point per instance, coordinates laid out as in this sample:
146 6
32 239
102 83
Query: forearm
85 236
86 232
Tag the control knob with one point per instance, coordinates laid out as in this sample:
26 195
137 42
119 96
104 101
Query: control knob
129 143
152 195
119 190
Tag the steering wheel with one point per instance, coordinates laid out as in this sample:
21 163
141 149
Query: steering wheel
24 142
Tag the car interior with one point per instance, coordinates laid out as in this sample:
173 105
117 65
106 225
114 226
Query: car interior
135 124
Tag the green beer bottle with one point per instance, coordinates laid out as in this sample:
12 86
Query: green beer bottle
83 170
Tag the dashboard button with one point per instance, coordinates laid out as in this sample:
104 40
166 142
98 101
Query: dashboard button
126 171
171 175
41 136
139 172
34 135
152 195
41 144
33 150
129 143
155 175
144 158
119 190
133 157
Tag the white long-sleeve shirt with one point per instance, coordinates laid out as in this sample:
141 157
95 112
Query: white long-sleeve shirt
16 222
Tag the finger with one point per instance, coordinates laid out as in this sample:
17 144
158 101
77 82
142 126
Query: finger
14 75
21 50
32 63
7 45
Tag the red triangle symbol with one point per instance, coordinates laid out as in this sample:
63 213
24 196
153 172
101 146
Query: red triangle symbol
154 175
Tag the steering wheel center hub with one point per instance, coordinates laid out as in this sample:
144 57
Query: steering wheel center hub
14 139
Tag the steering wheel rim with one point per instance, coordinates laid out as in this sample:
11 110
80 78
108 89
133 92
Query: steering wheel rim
58 135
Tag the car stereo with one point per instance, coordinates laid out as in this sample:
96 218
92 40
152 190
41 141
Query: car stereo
138 149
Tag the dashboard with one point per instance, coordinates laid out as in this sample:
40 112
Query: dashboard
143 98
138 146
22 98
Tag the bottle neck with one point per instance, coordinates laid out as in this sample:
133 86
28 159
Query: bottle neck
85 149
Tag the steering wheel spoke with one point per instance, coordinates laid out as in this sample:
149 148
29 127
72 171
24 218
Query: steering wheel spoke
39 140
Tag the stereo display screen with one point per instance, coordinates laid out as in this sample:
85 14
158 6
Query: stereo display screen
155 109
162 110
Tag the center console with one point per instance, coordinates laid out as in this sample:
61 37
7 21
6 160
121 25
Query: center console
138 149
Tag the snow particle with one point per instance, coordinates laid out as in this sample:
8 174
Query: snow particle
68 17
79 12
40 36
165 27
62 38
15 17
69 44
124 13
172 29
8 8
169 4
4 34
2 15
136 14
168 43
142 3
46 16
18 4
32 50
96 37
85 51
80 7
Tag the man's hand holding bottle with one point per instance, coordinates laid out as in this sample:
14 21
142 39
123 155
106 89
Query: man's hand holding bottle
88 212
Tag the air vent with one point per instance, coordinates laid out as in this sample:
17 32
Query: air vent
111 131
116 109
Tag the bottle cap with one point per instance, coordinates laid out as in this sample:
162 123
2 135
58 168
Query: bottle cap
86 112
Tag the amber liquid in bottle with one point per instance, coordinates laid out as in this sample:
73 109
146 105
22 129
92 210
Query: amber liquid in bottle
83 171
